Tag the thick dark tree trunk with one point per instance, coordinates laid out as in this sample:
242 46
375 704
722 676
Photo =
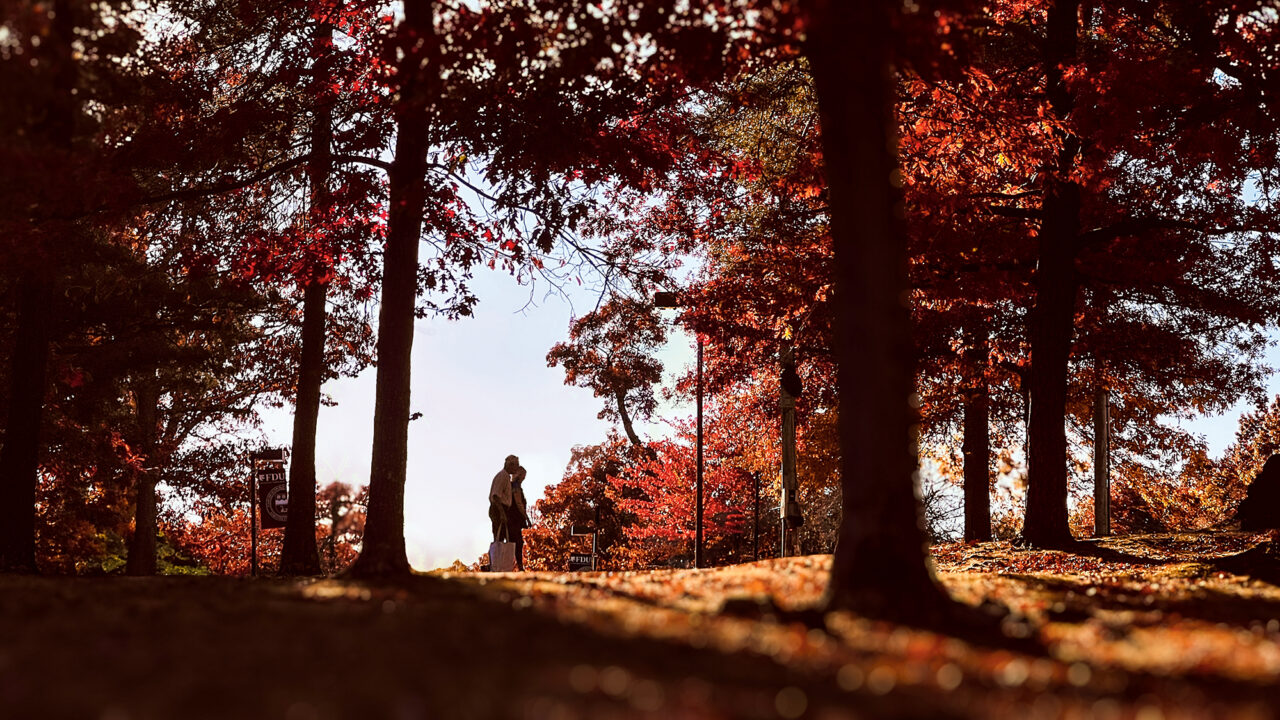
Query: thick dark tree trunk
977 439
880 563
1051 330
299 555
142 545
1052 319
19 460
383 550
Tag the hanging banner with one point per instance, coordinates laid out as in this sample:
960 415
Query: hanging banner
273 496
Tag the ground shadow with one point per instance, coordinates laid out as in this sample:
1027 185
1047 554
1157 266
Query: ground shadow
1091 548
1081 599
418 648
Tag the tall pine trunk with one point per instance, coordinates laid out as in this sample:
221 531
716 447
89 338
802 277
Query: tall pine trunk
383 550
142 545
28 375
1052 319
977 438
299 555
19 459
880 563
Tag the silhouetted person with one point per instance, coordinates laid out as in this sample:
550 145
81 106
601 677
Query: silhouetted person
500 495
518 515
1260 509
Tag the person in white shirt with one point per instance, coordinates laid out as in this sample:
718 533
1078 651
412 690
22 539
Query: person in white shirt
500 497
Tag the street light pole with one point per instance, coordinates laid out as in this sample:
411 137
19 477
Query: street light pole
788 390
1101 459
755 526
697 551
253 516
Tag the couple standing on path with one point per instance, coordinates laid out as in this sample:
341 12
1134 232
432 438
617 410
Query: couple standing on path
508 510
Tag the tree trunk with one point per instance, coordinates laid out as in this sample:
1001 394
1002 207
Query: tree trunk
299 555
36 269
880 563
977 439
19 460
1045 523
383 550
142 545
621 397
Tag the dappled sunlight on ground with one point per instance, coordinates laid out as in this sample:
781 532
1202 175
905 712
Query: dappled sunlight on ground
1148 626
1145 627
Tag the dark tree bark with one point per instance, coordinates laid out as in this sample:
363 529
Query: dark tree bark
20 457
1052 326
142 545
299 555
19 460
880 563
383 550
977 438
620 396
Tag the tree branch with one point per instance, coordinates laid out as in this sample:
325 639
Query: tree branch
1135 226
257 177
1014 212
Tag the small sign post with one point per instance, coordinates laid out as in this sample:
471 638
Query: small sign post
273 496
583 561
268 488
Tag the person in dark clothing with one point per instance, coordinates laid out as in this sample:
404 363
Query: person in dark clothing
518 515
1260 509
500 496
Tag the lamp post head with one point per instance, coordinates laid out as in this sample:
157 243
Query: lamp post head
665 299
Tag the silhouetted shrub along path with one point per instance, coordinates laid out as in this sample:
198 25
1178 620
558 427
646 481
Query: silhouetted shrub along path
1170 635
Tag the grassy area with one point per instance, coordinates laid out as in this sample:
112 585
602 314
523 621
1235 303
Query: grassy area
1145 627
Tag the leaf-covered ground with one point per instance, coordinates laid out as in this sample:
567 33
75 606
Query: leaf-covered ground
1170 626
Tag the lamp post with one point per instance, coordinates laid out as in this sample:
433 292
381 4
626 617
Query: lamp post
665 299
789 388
1101 458
755 523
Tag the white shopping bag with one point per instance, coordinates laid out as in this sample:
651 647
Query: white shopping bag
502 556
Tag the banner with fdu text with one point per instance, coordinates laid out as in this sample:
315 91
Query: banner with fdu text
273 497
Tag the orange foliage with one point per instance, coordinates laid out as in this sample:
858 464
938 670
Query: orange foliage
220 539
